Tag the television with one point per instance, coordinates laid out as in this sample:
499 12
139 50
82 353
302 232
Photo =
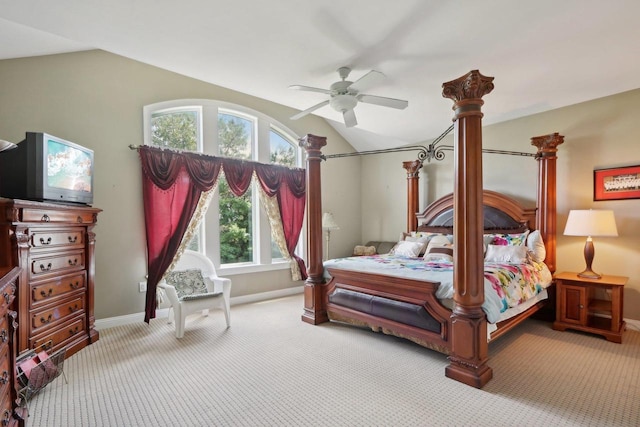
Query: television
44 167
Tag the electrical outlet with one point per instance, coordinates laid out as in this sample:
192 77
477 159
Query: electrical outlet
142 286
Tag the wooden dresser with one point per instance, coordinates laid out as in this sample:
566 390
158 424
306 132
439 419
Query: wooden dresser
12 414
54 244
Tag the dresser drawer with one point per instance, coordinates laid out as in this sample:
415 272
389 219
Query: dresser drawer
42 319
46 215
58 263
59 337
6 412
55 238
4 331
46 292
5 369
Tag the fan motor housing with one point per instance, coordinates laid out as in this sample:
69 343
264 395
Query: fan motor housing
343 103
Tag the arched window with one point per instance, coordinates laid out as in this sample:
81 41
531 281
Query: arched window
235 233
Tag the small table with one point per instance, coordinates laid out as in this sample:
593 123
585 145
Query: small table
579 307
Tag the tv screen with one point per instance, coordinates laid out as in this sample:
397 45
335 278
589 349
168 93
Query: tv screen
68 167
44 167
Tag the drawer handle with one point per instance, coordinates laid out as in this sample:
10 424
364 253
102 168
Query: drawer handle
74 330
4 335
581 306
74 262
75 285
46 294
47 268
5 377
45 242
47 320
73 239
73 309
79 219
45 218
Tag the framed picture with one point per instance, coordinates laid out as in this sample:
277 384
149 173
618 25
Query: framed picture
616 183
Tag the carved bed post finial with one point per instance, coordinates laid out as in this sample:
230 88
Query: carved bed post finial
469 347
314 306
546 219
413 195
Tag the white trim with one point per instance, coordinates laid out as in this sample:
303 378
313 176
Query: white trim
633 324
129 319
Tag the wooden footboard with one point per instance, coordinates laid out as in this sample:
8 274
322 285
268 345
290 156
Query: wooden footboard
395 306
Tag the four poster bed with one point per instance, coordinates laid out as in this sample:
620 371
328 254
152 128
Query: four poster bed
407 304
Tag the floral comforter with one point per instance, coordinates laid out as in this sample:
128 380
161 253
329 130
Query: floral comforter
506 285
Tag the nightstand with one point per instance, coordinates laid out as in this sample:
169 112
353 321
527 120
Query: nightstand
578 306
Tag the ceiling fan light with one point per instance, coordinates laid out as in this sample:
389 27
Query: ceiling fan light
343 103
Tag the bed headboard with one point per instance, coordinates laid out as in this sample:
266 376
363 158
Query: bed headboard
501 214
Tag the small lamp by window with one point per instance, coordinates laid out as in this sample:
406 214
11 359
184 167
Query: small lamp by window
590 223
328 224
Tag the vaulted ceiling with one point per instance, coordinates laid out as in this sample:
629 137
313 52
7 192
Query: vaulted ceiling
543 54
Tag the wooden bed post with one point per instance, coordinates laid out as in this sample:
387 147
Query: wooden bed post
546 218
413 195
469 346
315 311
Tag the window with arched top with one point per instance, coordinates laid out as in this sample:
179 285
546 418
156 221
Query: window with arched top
235 233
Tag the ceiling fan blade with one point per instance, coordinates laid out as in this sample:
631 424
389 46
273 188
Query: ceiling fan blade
309 110
310 89
385 102
349 118
366 81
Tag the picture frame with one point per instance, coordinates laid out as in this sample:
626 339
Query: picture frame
619 183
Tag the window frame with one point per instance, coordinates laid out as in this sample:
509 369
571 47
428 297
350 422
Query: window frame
207 129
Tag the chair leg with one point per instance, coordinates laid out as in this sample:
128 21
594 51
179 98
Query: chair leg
180 319
170 315
227 312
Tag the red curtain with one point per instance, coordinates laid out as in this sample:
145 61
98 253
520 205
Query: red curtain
172 184
289 186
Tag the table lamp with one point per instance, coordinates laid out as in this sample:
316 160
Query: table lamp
590 223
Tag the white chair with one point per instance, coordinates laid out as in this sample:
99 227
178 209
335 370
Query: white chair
194 286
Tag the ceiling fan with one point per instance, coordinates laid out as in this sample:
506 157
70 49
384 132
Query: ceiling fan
344 95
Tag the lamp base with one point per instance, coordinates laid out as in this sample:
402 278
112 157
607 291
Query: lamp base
590 274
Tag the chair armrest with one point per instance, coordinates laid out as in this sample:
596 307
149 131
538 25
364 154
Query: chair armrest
170 291
221 283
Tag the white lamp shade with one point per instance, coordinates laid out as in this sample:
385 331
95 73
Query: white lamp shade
591 222
328 222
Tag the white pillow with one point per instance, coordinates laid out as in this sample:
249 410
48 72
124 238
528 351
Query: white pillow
506 254
439 254
410 249
536 246
439 249
438 241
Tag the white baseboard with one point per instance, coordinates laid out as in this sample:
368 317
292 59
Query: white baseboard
632 324
129 319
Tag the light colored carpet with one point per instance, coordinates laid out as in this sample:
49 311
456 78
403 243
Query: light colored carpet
271 369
